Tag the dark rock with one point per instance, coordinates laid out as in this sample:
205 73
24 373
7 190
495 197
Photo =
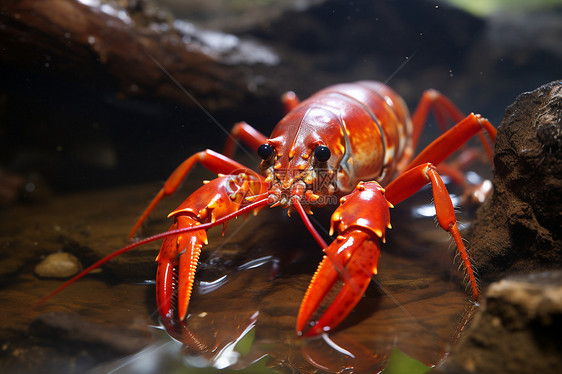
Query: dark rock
81 332
106 43
518 228
98 74
516 331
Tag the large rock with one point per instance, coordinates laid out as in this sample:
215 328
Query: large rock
518 228
516 331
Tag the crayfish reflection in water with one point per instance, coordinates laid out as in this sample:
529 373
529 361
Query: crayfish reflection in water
346 141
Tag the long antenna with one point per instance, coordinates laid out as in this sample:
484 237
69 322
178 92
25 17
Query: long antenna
150 239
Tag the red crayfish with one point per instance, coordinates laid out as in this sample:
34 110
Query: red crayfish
345 141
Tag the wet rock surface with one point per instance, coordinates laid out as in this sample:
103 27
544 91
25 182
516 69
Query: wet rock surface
517 329
518 227
84 341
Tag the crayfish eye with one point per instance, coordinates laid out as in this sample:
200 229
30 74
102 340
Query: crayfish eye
322 153
265 151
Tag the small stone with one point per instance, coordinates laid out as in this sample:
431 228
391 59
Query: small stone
58 265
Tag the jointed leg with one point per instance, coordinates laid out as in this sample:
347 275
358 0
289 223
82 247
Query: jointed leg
290 101
245 133
442 109
410 182
473 194
452 140
435 101
250 136
212 160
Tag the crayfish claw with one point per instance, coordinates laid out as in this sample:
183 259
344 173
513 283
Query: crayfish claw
339 283
187 268
351 259
165 281
208 206
177 264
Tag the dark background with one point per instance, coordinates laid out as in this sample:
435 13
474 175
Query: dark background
72 125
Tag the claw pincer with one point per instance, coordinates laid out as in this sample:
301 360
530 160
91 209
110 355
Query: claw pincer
351 259
179 254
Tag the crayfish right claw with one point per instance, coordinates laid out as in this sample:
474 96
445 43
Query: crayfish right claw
351 260
177 264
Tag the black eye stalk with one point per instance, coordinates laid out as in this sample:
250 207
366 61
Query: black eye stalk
265 151
322 153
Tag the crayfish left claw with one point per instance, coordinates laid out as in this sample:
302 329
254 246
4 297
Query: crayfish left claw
351 260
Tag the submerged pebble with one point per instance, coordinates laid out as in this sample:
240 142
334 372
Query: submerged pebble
58 265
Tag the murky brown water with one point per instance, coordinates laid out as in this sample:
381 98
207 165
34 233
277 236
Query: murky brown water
250 285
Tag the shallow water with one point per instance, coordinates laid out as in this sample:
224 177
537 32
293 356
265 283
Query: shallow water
249 287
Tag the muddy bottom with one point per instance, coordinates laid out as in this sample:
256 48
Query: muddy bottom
243 309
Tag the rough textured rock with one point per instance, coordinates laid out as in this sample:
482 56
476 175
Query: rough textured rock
518 231
517 330
518 228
